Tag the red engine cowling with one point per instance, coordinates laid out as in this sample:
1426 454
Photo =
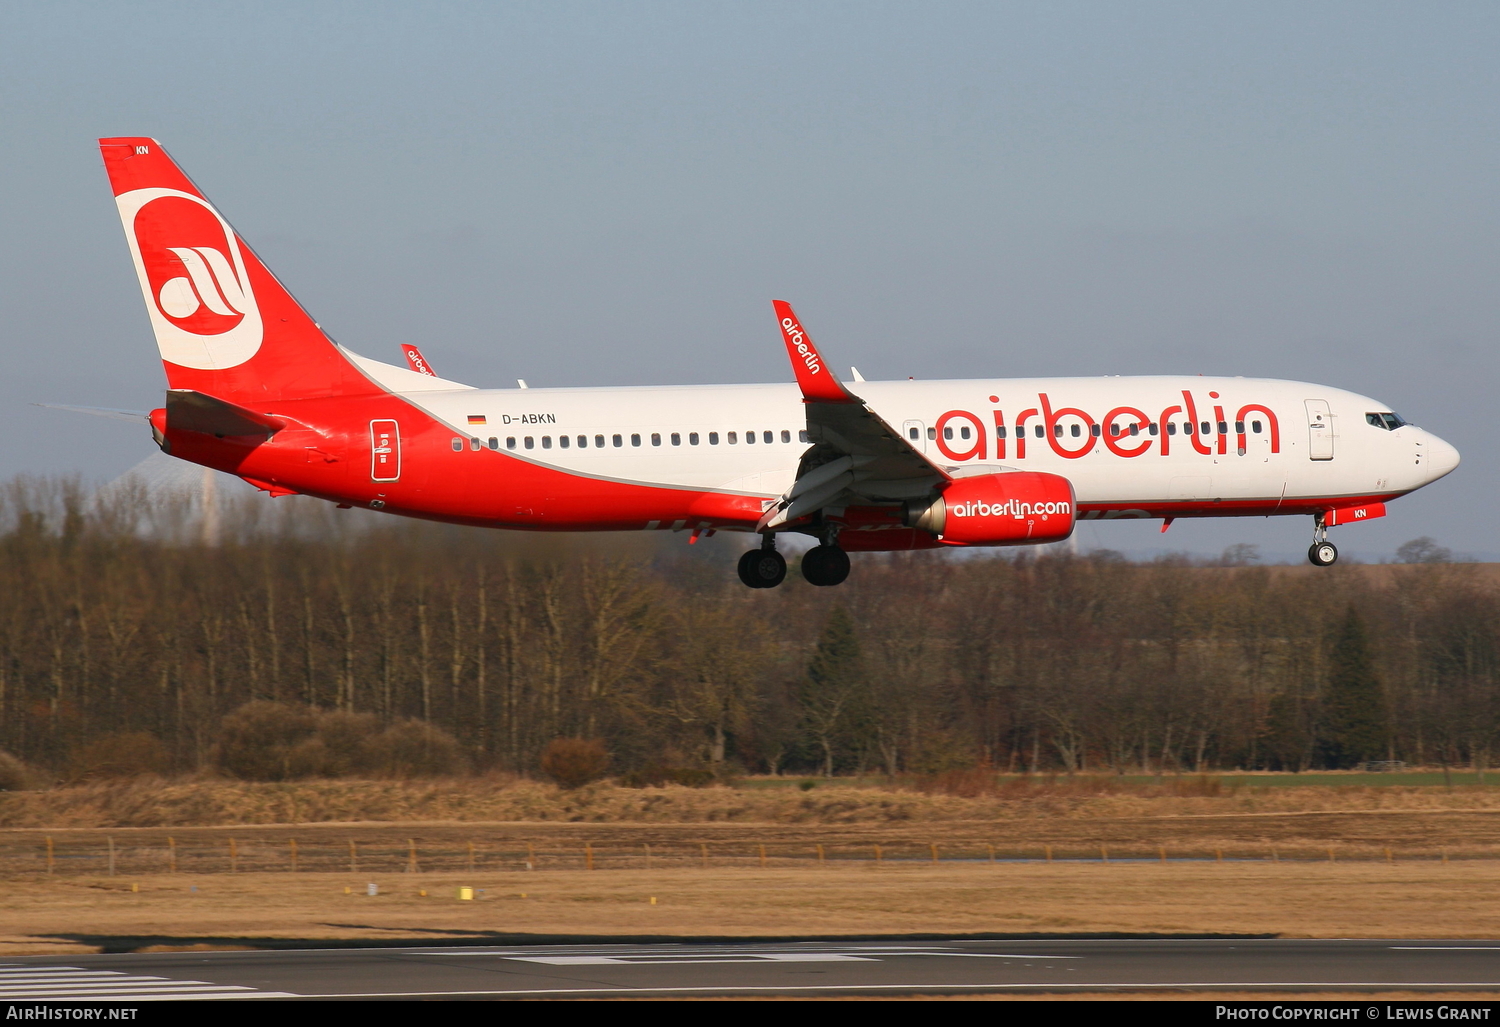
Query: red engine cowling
1013 508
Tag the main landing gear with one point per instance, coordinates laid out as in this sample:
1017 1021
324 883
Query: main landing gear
1322 553
825 565
822 565
763 567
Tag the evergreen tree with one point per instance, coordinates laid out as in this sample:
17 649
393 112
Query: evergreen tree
1353 719
831 690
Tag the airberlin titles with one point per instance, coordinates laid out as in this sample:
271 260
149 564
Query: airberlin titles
1071 432
1126 431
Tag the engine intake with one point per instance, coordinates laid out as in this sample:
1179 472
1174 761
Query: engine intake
1013 508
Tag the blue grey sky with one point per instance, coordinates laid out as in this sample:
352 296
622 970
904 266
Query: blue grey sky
612 193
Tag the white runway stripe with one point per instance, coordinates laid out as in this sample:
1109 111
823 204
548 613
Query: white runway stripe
60 983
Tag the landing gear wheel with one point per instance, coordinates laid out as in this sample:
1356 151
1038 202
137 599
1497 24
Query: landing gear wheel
825 565
1323 554
762 568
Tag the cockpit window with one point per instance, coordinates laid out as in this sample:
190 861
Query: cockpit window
1385 419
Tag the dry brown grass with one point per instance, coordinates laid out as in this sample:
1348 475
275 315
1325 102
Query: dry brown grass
1313 900
159 803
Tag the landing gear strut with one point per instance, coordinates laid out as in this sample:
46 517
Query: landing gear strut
1322 553
763 567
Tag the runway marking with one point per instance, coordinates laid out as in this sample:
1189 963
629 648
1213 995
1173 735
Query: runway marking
672 960
872 954
56 983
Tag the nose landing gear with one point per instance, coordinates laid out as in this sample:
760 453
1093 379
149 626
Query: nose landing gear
1322 553
763 567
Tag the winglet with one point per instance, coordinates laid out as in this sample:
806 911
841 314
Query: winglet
418 362
818 382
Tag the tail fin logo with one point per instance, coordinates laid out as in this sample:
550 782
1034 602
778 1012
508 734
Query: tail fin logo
193 275
210 283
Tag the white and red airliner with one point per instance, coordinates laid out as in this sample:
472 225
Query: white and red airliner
256 388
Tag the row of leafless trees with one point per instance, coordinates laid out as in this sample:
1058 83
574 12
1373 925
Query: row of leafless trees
114 621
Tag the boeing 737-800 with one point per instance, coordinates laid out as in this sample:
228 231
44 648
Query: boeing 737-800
257 389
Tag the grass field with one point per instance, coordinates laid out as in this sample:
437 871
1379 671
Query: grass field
1308 900
963 796
234 864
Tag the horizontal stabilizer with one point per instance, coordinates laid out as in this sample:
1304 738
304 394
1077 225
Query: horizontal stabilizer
120 415
194 411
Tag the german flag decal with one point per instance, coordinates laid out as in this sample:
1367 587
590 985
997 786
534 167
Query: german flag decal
476 419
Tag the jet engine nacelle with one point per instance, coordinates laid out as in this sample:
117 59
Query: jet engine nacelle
1013 508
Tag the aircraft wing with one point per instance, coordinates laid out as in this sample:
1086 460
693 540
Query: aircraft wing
856 457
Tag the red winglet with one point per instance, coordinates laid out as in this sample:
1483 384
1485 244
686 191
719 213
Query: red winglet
418 362
814 376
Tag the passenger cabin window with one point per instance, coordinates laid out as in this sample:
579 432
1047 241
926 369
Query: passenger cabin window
1239 427
656 438
767 437
494 442
931 434
1171 427
562 441
510 442
476 445
546 441
734 437
1187 427
786 436
617 440
1076 431
713 438
948 434
1223 428
1135 429
458 445
1040 432
999 431
1205 428
802 435
963 431
635 440
583 442
1255 427
1114 429
916 434
530 442
676 438
1094 430
692 438
1151 428
749 438
1057 431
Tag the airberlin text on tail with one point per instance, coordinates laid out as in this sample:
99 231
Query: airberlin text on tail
814 377
223 323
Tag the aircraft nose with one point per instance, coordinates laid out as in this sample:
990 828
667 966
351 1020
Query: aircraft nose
1441 457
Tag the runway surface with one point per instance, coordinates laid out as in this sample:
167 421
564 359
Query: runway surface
796 968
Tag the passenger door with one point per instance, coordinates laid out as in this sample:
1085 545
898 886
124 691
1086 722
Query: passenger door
915 433
1319 430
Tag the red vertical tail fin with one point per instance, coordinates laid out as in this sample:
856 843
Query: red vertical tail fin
225 326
